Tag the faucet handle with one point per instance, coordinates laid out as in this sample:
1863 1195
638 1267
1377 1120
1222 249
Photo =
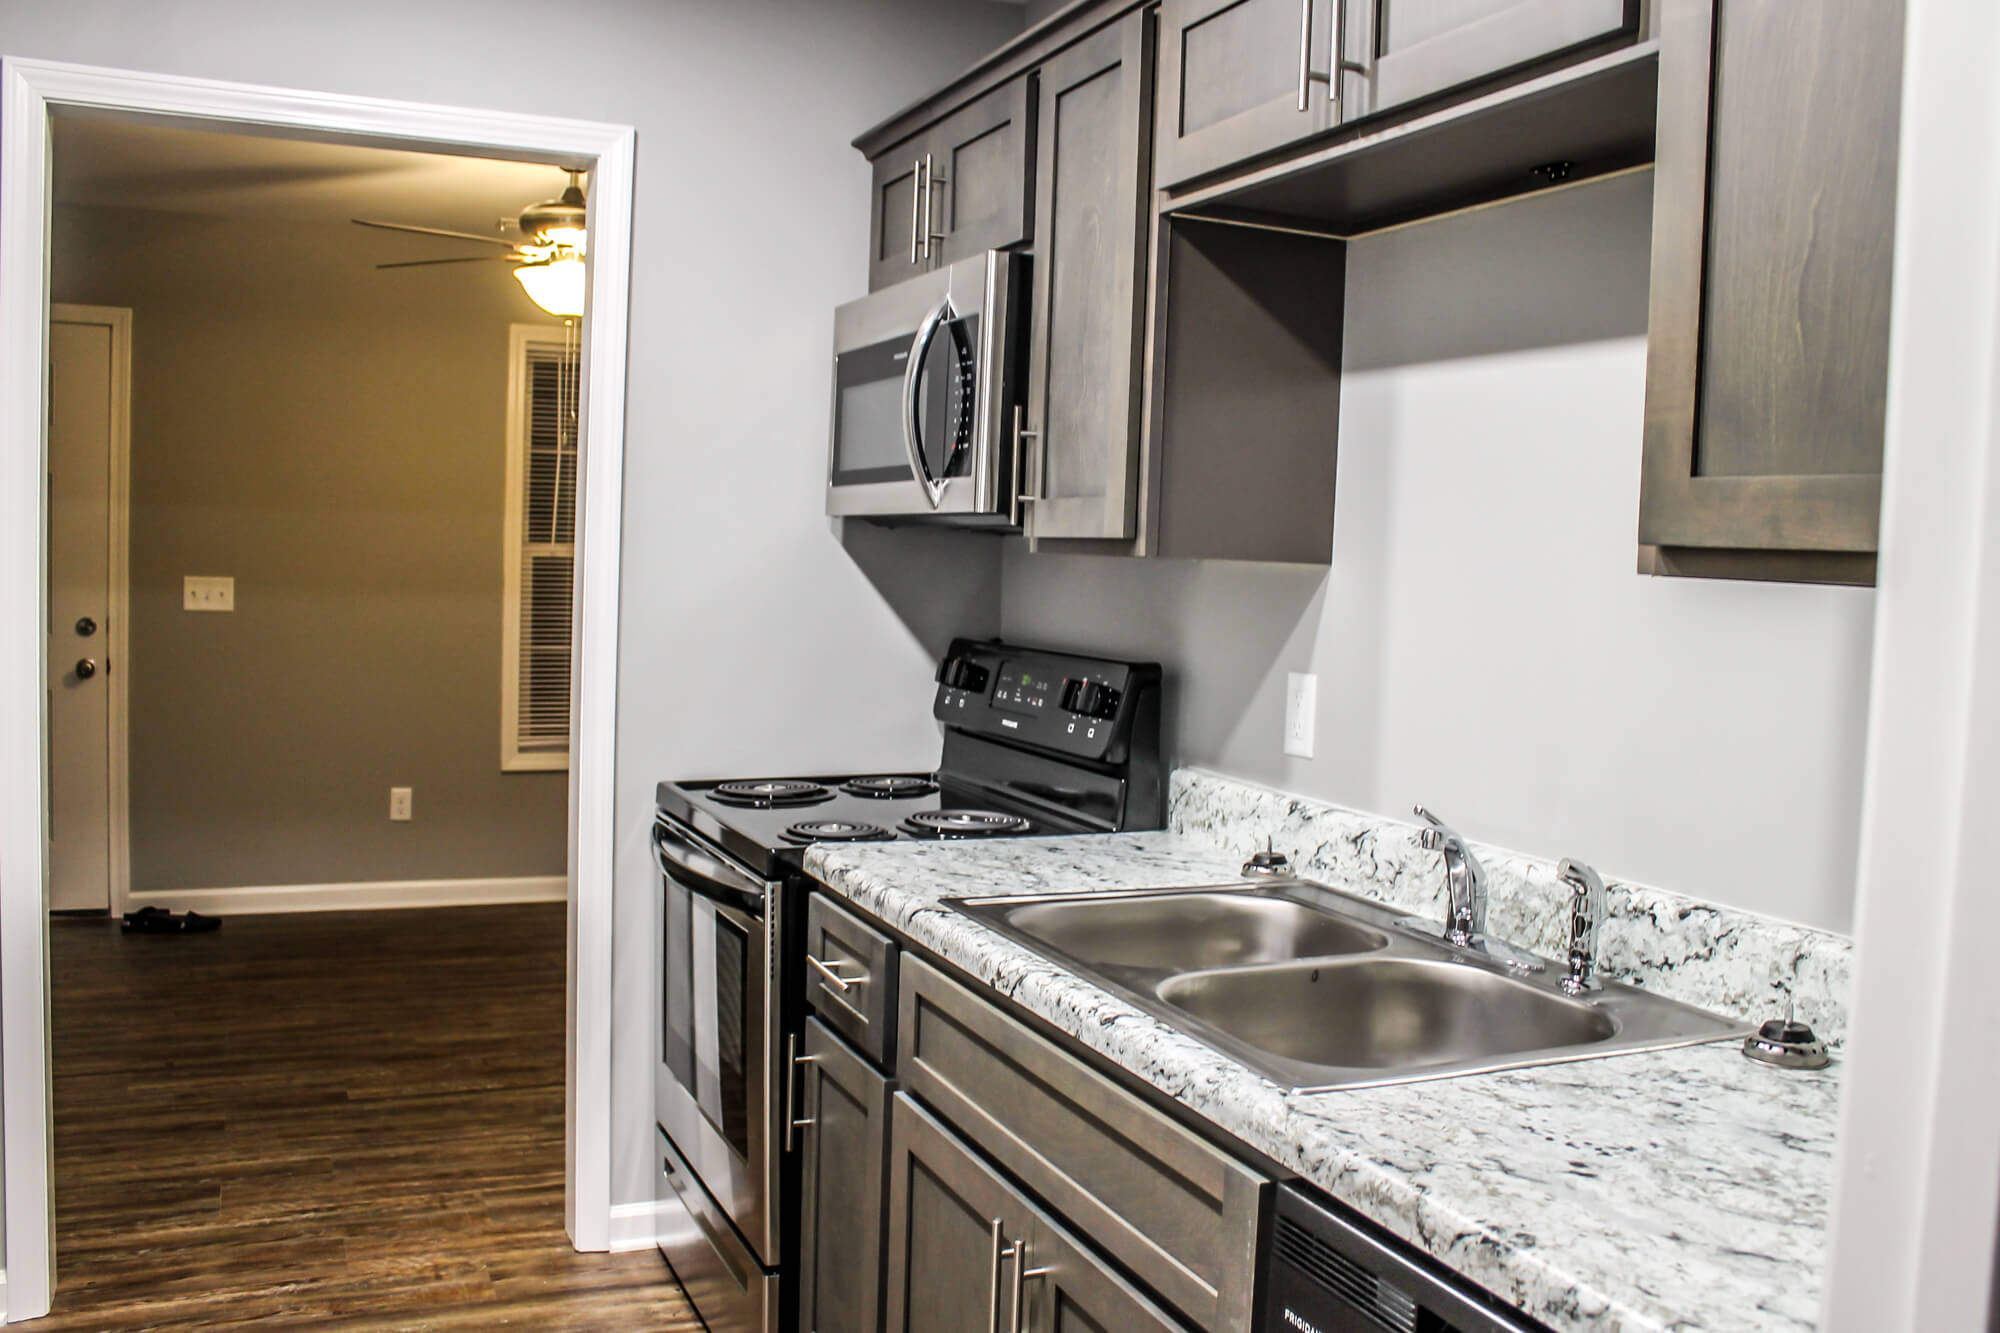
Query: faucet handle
1587 909
1435 833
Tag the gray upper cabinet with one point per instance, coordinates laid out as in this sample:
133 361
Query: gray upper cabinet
1773 230
1412 49
894 252
1093 214
984 156
960 187
1240 78
846 1106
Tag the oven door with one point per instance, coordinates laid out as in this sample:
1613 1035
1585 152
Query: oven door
924 378
718 1019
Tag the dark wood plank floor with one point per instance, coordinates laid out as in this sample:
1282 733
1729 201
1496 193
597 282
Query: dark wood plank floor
328 1121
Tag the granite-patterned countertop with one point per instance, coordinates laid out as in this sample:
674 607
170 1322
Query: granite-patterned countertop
1684 1189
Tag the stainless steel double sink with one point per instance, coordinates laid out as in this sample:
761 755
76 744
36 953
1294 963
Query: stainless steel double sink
1319 990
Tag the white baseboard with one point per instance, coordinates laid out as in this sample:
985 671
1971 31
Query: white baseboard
636 1226
375 896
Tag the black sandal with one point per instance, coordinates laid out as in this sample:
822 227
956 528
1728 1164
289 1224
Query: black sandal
159 921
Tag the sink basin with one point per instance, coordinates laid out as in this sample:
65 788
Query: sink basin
1187 932
1319 990
1386 1013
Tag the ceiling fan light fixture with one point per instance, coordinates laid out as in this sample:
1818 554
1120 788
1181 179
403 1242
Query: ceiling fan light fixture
567 238
556 285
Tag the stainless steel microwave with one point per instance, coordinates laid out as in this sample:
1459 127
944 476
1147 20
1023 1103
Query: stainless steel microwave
926 382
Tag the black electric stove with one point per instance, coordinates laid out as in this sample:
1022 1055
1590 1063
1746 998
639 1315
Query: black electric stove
1035 744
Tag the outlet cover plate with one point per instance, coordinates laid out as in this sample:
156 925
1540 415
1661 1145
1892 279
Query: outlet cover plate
201 593
1301 712
399 804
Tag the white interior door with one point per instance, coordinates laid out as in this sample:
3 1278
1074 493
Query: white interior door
87 355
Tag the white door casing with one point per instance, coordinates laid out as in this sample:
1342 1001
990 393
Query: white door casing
89 429
29 90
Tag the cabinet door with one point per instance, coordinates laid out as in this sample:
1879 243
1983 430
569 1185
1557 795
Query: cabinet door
1092 214
981 172
1239 78
895 249
1419 48
1068 1289
952 1220
845 1177
1774 212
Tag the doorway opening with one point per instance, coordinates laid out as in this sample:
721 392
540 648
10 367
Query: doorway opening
39 96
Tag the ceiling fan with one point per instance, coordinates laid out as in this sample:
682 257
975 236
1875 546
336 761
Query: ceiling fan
548 261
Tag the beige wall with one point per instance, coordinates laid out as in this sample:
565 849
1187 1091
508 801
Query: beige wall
332 437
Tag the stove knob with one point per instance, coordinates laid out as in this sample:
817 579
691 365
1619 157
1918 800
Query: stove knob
962 673
1087 698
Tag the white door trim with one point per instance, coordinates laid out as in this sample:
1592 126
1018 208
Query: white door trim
1918 1176
28 91
118 605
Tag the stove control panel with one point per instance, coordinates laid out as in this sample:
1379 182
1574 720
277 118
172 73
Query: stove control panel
1080 707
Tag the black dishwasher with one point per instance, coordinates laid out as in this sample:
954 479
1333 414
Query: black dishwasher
1325 1274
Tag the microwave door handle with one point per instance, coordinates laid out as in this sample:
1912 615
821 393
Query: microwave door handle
913 378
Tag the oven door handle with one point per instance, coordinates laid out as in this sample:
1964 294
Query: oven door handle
706 876
913 382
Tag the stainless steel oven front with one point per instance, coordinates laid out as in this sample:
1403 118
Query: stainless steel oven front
712 1085
926 386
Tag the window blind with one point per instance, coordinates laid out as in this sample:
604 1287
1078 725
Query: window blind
547 551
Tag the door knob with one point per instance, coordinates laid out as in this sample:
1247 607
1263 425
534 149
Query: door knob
85 627
85 668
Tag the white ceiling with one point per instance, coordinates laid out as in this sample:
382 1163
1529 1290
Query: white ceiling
131 164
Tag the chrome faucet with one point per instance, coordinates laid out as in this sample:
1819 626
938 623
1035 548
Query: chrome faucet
1586 921
1464 880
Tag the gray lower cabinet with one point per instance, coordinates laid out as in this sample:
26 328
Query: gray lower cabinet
961 186
845 1107
1238 80
1093 216
969 1253
1774 210
1412 49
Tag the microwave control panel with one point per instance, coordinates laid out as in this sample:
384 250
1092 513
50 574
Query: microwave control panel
1080 707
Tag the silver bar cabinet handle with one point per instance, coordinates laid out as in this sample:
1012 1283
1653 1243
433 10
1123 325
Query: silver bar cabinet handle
794 1062
1305 52
1337 62
1022 1273
1022 433
916 207
931 182
993 1281
826 970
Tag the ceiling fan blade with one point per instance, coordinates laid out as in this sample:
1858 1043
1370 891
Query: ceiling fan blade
433 231
466 259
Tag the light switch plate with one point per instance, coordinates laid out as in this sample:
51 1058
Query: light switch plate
1301 712
208 594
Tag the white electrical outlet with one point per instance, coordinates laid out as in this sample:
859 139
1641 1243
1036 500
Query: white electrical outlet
399 804
208 594
1301 710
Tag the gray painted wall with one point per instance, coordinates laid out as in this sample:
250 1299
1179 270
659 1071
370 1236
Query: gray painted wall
752 635
1482 641
334 438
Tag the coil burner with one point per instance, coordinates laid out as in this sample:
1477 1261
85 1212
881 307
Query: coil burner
965 824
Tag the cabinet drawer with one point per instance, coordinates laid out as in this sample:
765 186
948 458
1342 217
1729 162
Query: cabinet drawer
1180 1214
851 977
